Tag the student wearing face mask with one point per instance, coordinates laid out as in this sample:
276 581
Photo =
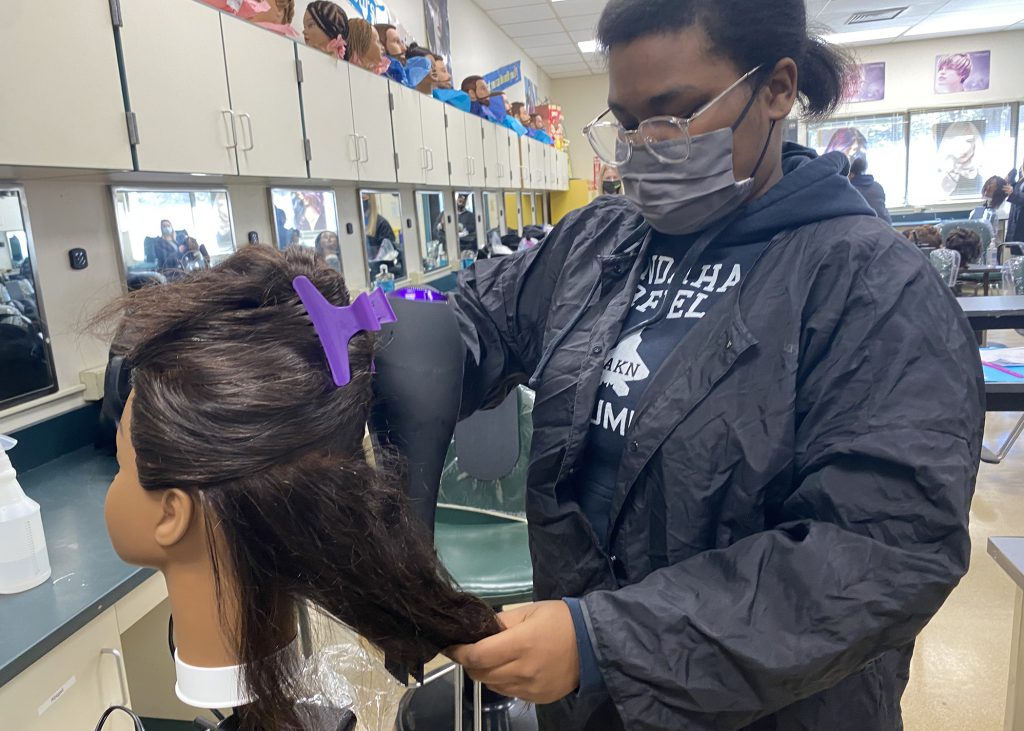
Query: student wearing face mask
611 183
744 501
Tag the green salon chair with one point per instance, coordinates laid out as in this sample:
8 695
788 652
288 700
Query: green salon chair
481 535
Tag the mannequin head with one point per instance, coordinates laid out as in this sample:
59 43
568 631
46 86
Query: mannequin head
442 77
364 46
243 479
391 40
323 23
281 12
520 112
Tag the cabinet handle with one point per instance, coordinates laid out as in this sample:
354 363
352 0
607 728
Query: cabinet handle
247 122
119 660
354 148
430 156
229 117
366 148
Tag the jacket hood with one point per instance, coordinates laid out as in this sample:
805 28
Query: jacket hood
863 181
812 189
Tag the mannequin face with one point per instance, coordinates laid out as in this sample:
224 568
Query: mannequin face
313 34
395 46
145 526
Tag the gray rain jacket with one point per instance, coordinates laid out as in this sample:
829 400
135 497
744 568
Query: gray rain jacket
793 500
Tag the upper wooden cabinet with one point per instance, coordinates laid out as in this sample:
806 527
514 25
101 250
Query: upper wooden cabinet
61 91
179 98
330 130
265 98
371 111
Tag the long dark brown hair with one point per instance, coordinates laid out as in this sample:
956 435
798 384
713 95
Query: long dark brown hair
234 402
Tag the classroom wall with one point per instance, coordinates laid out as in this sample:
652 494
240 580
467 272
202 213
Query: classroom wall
479 46
910 70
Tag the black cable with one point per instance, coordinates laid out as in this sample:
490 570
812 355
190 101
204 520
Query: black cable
109 712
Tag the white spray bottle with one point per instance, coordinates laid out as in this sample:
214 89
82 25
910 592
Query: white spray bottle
24 563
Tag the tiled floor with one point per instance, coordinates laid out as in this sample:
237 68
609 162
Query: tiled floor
959 675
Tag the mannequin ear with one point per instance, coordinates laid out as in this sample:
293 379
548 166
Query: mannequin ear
782 89
178 508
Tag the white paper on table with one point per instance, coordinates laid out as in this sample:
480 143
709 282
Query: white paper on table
1004 356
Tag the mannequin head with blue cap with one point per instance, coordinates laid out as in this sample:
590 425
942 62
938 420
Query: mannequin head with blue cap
243 478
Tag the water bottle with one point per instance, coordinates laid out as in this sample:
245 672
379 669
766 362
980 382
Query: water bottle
992 256
385 280
467 258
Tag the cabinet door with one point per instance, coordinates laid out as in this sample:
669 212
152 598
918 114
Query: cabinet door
72 685
410 154
475 149
435 141
327 102
515 160
179 96
265 96
492 167
61 96
371 110
458 148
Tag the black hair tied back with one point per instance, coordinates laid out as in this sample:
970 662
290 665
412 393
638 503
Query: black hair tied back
749 33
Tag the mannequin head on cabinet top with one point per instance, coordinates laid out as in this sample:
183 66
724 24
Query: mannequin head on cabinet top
364 47
243 479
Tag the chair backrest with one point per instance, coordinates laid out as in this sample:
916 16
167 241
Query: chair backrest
1013 275
487 463
983 229
947 261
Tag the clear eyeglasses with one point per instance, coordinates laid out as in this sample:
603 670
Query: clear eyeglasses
614 144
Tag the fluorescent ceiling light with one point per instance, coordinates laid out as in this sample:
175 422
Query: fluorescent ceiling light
865 36
588 46
959 22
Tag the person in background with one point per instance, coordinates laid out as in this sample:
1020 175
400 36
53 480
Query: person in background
467 224
365 49
325 27
328 246
166 248
953 72
279 18
609 181
1014 191
380 234
994 192
871 190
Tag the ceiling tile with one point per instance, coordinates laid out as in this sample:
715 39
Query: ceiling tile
525 30
582 35
523 14
495 4
569 8
574 58
581 22
545 40
566 49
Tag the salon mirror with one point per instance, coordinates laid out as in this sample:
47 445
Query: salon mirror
165 234
465 212
26 360
306 217
529 210
493 228
382 232
435 223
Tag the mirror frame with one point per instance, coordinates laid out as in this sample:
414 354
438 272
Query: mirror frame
115 189
30 247
362 229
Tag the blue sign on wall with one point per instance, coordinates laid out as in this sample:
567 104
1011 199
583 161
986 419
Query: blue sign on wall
505 77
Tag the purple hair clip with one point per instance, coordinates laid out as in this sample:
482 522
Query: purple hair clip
336 326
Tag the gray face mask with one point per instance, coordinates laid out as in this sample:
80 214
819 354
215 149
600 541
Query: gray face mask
686 197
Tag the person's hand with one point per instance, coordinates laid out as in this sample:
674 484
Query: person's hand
534 659
1008 189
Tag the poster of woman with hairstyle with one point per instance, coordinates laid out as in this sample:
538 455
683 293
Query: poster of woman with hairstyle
956 73
960 150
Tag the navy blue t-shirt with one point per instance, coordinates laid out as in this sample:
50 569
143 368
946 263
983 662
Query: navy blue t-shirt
666 306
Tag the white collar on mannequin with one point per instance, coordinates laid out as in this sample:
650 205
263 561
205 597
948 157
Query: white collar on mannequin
209 687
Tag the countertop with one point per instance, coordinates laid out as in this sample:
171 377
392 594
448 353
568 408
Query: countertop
87 576
1009 554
